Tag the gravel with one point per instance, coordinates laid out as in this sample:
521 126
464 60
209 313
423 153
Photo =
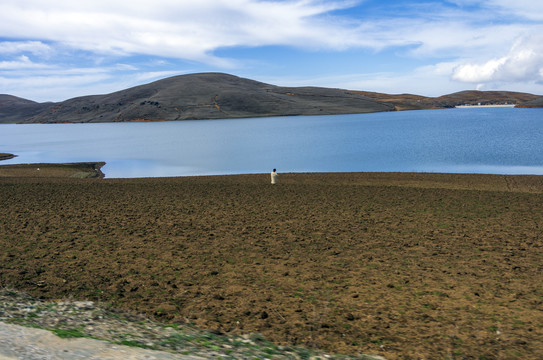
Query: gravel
33 329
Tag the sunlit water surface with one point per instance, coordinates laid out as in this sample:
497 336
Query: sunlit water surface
475 140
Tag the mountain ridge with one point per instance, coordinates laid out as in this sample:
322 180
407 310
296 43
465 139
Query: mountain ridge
221 96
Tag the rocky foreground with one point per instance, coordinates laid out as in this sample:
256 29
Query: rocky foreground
89 321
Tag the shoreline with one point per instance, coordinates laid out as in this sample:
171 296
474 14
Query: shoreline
486 106
455 181
6 156
53 170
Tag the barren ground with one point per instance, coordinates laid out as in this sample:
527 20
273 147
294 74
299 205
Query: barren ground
407 266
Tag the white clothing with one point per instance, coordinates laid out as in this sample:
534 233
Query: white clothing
274 177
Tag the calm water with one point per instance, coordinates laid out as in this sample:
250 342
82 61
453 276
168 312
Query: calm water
480 140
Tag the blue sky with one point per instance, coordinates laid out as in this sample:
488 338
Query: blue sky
58 49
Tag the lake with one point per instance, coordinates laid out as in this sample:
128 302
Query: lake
473 140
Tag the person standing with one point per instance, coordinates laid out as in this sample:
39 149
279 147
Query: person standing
274 176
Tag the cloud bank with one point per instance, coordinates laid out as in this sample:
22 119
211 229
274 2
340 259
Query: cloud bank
523 63
82 47
178 29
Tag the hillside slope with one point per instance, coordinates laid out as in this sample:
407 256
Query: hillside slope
535 103
223 96
206 96
472 97
13 109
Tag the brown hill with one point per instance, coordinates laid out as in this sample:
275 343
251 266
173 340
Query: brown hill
206 96
535 103
401 101
221 96
472 97
13 109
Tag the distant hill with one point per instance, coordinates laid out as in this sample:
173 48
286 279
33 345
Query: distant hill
218 96
14 109
471 97
204 96
535 103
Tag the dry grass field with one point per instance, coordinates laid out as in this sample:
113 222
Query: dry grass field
408 266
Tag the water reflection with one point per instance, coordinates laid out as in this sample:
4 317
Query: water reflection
494 140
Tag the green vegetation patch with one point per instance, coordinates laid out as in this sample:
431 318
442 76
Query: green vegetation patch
68 333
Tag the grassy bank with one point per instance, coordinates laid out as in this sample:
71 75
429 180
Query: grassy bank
73 170
401 265
6 156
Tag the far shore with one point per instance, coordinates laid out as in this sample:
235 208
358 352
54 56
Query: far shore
486 106
67 170
6 156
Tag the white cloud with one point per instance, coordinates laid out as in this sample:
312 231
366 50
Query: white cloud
193 30
38 87
93 41
178 29
524 62
432 80
126 67
22 62
49 83
17 47
528 9
455 39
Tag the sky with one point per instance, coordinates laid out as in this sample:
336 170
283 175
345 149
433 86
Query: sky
58 49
